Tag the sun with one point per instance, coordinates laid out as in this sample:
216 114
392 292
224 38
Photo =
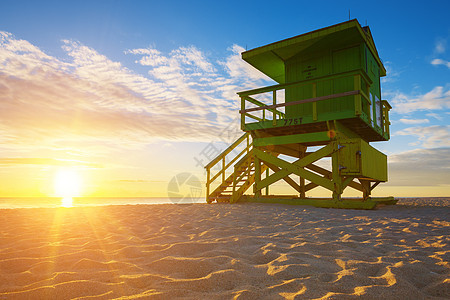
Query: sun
67 184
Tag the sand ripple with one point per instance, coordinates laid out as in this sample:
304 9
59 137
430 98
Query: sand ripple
243 251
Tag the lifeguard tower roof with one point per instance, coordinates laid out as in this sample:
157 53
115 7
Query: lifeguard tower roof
270 59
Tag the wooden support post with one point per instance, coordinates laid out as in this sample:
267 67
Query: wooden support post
267 187
337 180
357 87
366 188
257 176
314 105
274 115
302 179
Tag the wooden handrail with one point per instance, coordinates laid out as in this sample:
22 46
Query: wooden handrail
256 102
304 82
351 93
225 166
226 151
245 96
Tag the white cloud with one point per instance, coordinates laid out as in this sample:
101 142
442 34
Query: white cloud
414 121
188 71
238 68
439 49
440 46
434 115
438 61
436 99
152 57
430 136
391 73
420 167
192 56
89 102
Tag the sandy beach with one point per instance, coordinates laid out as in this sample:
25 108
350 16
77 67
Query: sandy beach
222 251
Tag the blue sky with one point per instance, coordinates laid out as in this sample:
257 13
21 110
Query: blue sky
135 90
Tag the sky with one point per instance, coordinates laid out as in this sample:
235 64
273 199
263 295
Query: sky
132 93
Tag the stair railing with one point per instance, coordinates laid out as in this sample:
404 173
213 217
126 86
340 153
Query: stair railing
222 159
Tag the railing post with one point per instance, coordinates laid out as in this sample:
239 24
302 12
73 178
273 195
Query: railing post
357 87
223 169
274 115
248 143
242 114
208 176
386 118
368 95
314 105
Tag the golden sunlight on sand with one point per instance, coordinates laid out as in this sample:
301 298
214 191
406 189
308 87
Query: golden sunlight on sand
241 251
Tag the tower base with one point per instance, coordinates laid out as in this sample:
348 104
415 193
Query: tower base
348 203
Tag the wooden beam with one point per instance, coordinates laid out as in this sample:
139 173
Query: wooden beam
288 168
325 172
287 178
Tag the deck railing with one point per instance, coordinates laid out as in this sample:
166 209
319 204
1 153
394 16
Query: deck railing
226 159
361 86
386 107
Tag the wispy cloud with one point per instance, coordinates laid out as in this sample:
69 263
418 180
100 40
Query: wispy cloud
436 99
392 74
440 46
88 99
438 61
439 49
420 167
435 115
429 137
414 121
46 161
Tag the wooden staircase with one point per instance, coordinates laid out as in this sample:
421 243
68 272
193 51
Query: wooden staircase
235 183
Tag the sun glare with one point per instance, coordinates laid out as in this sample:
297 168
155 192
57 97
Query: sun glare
67 185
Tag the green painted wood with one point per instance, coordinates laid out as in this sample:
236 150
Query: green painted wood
357 158
307 66
302 162
292 139
316 202
373 163
343 131
283 86
292 168
304 120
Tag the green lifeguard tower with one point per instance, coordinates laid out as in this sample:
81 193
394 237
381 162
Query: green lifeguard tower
327 104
